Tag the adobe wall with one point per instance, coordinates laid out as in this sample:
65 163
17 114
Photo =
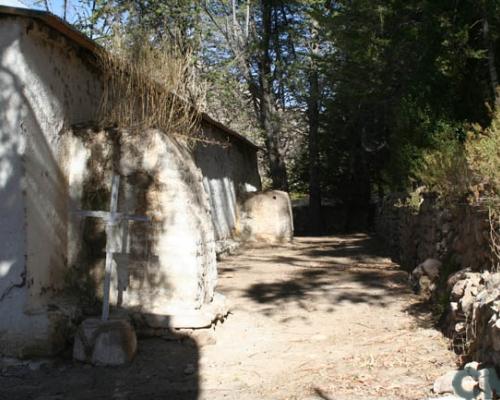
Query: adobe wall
229 172
48 170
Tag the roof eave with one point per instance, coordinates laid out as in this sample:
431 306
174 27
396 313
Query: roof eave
74 35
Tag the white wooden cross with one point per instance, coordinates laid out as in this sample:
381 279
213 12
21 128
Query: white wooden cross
112 218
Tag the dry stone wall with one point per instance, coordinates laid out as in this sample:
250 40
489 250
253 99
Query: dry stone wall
449 245
474 315
457 232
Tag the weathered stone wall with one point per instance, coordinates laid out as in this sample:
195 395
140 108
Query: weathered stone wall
448 232
229 172
45 84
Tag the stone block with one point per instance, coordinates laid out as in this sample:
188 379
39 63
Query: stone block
182 320
455 382
444 384
107 343
267 217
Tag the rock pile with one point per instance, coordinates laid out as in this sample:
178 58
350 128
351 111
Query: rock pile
474 314
473 318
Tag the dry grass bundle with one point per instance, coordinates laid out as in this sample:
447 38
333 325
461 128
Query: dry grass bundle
150 87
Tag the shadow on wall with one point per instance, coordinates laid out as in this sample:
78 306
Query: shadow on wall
12 228
33 220
220 187
227 170
177 246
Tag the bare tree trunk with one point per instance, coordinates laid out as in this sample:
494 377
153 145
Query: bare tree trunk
313 119
277 168
65 9
260 84
247 21
268 118
491 58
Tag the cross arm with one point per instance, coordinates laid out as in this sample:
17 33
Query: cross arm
105 215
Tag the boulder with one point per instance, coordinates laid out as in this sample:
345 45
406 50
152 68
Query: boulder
427 286
467 300
454 311
431 268
474 278
107 343
488 382
495 335
492 281
424 277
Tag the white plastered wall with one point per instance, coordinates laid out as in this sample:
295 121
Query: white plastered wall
44 86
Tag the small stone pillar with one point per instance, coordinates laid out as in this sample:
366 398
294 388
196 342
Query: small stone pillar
267 217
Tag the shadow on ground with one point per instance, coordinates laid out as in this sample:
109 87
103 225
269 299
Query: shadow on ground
425 314
353 269
162 369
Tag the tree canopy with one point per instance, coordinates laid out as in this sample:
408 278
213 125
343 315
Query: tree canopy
348 97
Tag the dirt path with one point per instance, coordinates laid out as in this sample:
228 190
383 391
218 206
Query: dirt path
324 318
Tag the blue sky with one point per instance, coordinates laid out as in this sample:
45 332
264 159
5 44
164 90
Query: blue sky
56 6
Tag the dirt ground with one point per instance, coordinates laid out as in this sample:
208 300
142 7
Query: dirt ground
322 318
